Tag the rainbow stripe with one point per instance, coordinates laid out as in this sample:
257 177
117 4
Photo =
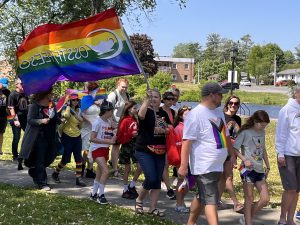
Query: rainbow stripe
10 118
87 50
219 134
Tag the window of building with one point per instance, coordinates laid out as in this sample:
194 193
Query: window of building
292 77
185 77
186 66
174 66
174 77
165 64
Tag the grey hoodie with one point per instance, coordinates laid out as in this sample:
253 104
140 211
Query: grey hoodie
288 130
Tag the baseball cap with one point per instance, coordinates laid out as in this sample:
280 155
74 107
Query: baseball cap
106 106
212 88
74 96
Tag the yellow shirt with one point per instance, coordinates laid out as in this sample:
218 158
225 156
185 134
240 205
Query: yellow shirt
72 126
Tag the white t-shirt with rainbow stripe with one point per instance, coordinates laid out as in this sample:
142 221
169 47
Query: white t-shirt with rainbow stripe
207 129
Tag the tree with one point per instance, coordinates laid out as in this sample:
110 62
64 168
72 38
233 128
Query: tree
188 50
212 51
19 17
298 52
289 57
145 52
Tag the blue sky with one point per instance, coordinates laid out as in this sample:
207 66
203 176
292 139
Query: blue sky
275 21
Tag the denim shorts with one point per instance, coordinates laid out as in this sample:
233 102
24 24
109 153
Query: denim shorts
152 166
253 177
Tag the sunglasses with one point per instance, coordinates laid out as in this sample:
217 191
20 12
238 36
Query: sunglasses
186 108
75 99
234 103
170 99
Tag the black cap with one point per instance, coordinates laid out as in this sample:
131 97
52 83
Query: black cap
212 88
106 106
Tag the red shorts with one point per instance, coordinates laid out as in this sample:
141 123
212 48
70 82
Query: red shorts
100 152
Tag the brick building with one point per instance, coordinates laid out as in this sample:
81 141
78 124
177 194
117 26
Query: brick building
181 69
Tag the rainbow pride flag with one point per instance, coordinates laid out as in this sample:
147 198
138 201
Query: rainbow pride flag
87 50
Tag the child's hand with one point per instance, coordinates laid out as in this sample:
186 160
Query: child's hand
248 163
267 172
134 133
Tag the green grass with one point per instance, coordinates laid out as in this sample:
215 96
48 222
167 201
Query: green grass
273 180
26 206
191 92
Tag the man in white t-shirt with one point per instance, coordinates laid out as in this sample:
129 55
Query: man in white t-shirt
118 98
205 145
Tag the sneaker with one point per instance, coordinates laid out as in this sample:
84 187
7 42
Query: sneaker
127 195
298 215
80 182
55 177
20 167
182 209
94 197
102 200
90 174
171 194
44 187
133 192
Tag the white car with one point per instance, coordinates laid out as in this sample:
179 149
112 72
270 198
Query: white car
245 83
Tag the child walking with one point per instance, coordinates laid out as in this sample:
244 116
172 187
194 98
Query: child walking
251 141
182 184
101 138
127 132
71 139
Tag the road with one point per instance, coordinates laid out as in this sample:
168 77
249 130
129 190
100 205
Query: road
265 88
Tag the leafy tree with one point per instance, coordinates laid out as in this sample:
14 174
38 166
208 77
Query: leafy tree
212 51
188 50
19 17
145 52
289 57
161 81
298 52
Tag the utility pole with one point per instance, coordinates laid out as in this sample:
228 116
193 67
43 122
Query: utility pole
275 67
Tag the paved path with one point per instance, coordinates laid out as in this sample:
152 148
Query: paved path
9 174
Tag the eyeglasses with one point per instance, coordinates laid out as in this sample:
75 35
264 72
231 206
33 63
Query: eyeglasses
234 103
75 99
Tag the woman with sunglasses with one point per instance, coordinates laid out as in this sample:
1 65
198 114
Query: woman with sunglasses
168 100
234 122
71 139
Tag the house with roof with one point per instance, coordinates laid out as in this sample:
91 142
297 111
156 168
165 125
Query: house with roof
180 69
289 74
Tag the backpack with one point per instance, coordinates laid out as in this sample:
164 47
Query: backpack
116 94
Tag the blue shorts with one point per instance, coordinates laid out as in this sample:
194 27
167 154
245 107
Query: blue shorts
253 177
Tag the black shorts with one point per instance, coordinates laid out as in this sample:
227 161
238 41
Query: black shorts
127 153
253 177
3 124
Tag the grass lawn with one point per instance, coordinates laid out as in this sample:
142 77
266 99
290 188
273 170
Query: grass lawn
189 91
26 206
273 179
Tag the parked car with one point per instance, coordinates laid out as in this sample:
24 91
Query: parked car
285 82
227 85
245 83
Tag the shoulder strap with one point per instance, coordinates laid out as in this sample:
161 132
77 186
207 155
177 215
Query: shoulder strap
116 98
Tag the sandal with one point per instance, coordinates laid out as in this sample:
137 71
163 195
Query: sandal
238 207
156 212
281 223
139 207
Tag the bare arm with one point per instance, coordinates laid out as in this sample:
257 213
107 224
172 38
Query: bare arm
185 152
94 139
143 110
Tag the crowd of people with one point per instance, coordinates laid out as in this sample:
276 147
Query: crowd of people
207 139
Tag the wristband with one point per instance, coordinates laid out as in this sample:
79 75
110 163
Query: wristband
268 168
